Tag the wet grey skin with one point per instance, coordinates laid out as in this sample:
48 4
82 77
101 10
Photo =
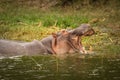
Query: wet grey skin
66 41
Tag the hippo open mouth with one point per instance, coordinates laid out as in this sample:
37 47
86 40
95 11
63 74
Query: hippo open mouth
82 30
69 41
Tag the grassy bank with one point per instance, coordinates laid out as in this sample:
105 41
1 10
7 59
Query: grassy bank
20 22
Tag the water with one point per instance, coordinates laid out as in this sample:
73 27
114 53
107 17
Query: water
48 67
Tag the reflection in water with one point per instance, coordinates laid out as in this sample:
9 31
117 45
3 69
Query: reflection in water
82 67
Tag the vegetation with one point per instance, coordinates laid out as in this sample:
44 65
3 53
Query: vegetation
35 19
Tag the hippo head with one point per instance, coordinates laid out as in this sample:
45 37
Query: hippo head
69 41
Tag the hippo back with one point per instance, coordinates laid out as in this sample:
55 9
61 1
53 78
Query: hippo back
10 48
34 48
14 48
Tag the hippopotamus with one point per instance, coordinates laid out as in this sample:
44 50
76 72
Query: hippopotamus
64 41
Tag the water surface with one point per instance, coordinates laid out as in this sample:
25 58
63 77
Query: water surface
48 67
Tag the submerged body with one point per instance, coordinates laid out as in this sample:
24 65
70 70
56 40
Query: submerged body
65 41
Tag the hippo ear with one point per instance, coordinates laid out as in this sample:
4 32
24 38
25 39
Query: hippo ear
54 40
54 35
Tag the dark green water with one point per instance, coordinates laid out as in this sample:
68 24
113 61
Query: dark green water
48 67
